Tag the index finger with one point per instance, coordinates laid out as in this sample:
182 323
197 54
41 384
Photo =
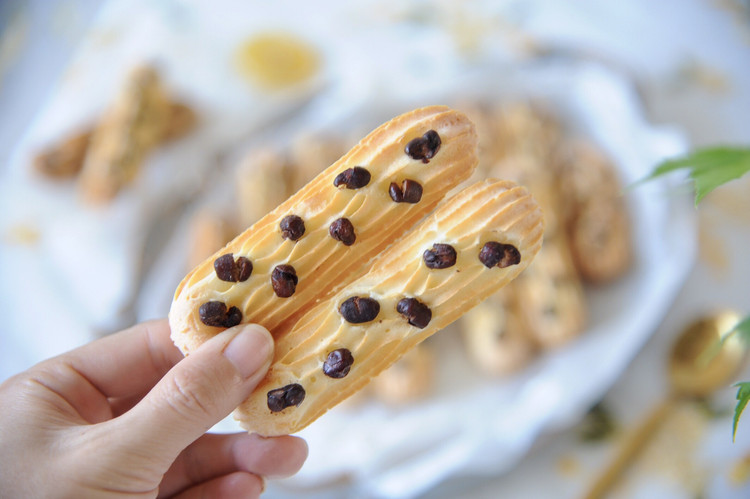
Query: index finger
128 362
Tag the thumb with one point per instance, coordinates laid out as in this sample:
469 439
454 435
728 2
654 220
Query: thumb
199 391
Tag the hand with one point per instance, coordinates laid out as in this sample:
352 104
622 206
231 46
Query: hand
127 416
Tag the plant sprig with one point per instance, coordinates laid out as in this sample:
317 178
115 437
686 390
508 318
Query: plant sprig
743 397
709 168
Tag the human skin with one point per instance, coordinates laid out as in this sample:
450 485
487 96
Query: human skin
127 416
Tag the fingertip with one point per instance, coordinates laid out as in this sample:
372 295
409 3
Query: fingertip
202 389
250 349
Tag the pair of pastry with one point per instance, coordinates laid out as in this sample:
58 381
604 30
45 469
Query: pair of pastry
356 268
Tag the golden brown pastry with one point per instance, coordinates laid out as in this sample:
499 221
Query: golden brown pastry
325 235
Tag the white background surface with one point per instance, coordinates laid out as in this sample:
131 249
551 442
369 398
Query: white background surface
655 43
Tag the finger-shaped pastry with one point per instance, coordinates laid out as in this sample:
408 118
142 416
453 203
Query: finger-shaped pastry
126 133
495 337
327 233
470 247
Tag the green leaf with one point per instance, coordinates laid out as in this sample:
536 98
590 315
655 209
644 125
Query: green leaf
743 396
743 329
709 168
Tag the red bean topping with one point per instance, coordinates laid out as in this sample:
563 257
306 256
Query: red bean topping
292 227
415 311
231 270
441 256
424 147
286 396
353 178
284 280
359 309
215 313
338 363
343 230
494 254
409 192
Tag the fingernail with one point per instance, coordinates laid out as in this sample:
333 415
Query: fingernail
249 350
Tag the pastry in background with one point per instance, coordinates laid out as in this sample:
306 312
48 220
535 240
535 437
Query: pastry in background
494 336
595 213
180 120
539 177
141 118
125 135
410 379
548 297
263 181
209 232
64 160
488 149
310 154
525 128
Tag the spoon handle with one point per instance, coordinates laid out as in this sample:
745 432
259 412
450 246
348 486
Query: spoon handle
630 449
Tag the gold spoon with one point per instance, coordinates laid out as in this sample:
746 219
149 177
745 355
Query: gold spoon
693 373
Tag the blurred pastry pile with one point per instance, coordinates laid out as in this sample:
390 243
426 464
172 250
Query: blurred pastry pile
107 156
587 235
586 239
